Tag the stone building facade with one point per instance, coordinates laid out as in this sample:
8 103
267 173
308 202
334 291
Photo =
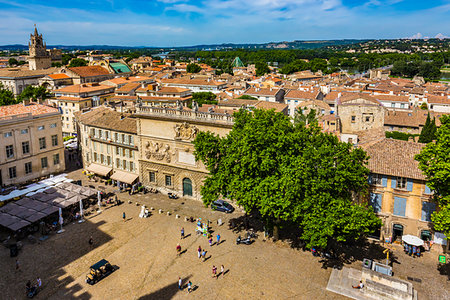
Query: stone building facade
109 144
359 112
31 143
167 160
398 192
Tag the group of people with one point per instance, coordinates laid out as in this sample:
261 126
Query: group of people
412 250
188 285
201 253
34 288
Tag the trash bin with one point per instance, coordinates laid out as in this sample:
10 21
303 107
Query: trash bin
367 263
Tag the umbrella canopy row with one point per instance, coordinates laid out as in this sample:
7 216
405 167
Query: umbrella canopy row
21 213
32 188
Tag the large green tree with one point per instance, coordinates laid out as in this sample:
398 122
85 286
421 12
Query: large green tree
6 96
77 62
204 98
193 68
429 130
34 94
261 68
289 172
434 161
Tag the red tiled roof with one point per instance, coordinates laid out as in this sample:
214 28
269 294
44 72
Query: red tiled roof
395 158
89 71
58 76
34 109
297 94
83 88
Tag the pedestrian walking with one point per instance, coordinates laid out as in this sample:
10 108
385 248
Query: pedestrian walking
91 241
214 271
38 283
178 249
182 232
17 264
210 241
123 216
180 283
218 239
222 270
189 286
204 254
199 252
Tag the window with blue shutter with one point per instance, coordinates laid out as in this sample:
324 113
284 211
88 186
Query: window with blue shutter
427 190
376 201
427 210
384 181
409 185
399 206
393 182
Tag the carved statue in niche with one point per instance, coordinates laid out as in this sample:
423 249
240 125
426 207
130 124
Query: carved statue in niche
185 131
158 151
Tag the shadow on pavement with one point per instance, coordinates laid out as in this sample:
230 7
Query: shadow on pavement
168 291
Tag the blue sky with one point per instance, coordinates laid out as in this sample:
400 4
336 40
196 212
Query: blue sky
193 22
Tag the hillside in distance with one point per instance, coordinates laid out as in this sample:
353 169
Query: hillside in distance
272 45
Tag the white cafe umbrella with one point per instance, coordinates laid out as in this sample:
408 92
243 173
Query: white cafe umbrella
61 221
412 240
99 201
81 212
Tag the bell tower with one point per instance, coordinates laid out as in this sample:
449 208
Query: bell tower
39 58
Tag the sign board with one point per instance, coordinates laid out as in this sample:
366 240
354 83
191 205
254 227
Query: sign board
442 259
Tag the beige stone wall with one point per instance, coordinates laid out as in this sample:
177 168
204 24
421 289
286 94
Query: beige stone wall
94 146
27 130
167 149
412 223
366 115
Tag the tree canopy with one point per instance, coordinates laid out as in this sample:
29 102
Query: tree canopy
289 172
434 161
193 68
261 68
247 97
429 130
77 62
204 98
34 93
6 96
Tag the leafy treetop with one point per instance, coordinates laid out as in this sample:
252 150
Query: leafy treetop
288 172
434 161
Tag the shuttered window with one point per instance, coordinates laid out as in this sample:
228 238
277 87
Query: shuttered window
427 210
376 201
399 206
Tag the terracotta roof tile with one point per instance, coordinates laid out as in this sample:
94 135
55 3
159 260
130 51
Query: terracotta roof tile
89 71
395 158
59 76
108 118
34 109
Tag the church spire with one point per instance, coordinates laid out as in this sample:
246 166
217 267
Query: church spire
35 30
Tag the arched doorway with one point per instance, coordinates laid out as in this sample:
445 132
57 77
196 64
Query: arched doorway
187 187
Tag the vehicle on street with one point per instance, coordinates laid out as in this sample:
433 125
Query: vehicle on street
99 270
221 205
172 196
246 241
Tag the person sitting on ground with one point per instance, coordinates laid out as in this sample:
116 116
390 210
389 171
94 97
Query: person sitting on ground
359 286
178 249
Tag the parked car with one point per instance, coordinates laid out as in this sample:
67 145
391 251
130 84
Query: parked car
99 270
221 205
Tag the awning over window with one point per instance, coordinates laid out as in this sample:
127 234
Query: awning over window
99 169
125 177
